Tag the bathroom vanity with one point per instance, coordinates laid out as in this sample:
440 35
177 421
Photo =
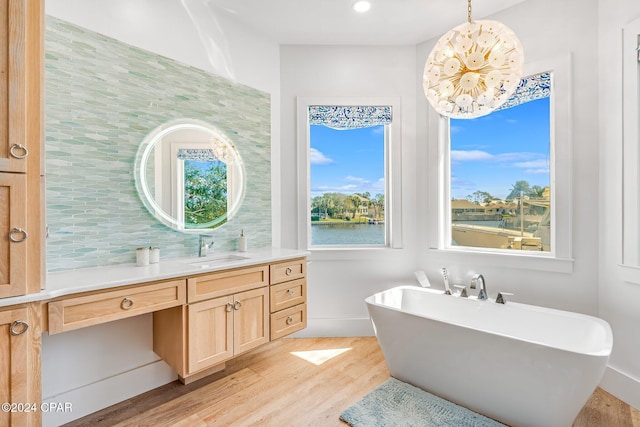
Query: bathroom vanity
205 311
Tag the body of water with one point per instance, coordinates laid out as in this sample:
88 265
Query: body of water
344 233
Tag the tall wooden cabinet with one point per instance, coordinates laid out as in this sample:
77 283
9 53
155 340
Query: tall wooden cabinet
21 206
21 170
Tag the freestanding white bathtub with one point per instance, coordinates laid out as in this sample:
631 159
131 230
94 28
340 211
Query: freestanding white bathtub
519 364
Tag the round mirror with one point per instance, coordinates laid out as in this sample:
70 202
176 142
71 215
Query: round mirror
189 175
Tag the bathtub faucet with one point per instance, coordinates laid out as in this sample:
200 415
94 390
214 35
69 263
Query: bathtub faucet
478 280
445 276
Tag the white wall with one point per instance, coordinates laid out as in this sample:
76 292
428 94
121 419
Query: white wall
99 366
338 281
619 300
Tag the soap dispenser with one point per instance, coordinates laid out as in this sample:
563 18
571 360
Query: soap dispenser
242 242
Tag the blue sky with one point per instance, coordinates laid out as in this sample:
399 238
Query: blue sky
492 152
347 161
489 154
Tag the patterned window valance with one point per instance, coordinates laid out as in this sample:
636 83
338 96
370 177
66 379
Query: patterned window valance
349 117
197 154
530 88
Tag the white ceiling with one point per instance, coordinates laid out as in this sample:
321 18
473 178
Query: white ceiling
389 22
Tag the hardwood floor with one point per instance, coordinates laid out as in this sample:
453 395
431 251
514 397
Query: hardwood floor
294 382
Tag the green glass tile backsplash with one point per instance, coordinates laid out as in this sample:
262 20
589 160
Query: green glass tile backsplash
102 98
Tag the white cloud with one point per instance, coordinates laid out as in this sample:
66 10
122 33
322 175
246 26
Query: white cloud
533 164
537 171
355 179
471 155
317 158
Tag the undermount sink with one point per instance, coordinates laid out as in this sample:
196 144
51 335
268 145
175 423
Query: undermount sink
214 260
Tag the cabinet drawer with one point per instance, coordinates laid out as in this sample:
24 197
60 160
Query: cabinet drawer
285 295
78 312
288 321
288 270
223 283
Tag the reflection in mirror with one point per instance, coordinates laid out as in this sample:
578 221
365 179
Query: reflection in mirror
189 175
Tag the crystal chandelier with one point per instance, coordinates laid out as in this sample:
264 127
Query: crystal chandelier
473 69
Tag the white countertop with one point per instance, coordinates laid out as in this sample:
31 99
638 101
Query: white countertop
98 278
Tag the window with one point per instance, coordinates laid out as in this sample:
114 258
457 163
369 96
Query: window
500 173
508 175
347 166
347 185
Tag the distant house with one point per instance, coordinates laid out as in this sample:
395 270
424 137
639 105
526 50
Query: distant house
463 206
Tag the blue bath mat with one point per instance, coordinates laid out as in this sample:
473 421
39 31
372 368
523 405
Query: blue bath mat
395 403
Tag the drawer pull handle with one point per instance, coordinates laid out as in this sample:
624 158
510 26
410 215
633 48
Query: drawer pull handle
289 320
18 235
237 305
126 303
288 271
229 307
18 327
289 291
18 151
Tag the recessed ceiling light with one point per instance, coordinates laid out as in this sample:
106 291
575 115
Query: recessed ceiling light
361 6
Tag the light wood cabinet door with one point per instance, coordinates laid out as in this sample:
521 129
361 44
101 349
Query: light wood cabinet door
223 327
250 320
13 235
19 385
13 148
210 325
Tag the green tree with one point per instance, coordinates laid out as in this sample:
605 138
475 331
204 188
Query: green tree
480 197
354 201
537 191
205 192
377 203
519 186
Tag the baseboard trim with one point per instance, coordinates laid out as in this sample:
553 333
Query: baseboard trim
106 392
622 386
346 327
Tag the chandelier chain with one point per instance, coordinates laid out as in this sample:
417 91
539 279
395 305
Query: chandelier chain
469 11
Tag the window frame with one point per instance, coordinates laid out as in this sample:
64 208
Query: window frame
393 169
561 175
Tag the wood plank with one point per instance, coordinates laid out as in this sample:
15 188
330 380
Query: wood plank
271 386
604 409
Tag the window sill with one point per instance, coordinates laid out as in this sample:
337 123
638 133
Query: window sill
356 253
522 261
630 274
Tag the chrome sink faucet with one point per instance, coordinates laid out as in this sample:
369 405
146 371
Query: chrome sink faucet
478 280
204 247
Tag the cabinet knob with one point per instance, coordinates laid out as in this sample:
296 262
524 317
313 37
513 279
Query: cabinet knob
126 303
18 235
18 151
237 305
18 327
288 271
289 320
289 291
229 308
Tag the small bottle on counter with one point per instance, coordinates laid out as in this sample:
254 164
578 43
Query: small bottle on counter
242 242
142 257
154 255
